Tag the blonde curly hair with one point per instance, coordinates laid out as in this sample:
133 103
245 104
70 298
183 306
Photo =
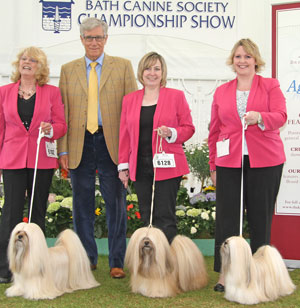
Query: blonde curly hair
42 72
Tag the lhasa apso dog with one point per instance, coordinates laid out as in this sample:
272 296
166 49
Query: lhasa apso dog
40 272
159 269
253 279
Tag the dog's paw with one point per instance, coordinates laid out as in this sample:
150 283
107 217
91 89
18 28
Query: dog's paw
13 291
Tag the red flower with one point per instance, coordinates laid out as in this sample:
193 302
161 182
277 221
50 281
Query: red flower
64 173
25 219
138 215
130 206
128 218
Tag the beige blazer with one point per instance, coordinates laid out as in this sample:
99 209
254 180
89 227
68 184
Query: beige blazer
117 80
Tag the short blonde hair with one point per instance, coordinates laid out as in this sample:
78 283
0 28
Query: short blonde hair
250 48
42 72
148 60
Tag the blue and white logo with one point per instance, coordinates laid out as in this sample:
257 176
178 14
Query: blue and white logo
57 15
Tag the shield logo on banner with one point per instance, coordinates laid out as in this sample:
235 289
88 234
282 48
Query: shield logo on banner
56 15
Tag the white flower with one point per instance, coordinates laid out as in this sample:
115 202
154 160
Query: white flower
193 212
59 198
213 215
97 193
53 207
180 213
67 203
50 220
204 216
193 230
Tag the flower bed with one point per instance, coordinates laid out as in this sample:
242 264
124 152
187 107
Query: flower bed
195 216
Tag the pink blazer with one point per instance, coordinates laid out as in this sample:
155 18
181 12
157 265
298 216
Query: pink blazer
265 147
17 145
172 110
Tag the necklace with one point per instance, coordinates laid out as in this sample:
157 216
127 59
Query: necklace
22 93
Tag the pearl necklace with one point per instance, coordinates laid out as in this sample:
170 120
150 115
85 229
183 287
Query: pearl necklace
23 93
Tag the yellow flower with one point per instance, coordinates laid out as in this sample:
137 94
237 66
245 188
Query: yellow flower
132 198
208 188
97 211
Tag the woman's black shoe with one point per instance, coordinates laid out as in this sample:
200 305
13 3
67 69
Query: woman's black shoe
219 288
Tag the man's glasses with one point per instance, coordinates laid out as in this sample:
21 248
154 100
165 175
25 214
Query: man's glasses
98 38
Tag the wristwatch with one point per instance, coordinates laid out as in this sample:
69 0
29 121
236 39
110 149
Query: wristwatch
259 120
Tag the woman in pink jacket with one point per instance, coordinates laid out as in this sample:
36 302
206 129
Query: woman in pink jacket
25 105
146 113
261 103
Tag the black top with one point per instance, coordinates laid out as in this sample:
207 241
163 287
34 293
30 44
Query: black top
146 130
26 109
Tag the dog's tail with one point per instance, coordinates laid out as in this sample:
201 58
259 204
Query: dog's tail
277 276
191 267
80 275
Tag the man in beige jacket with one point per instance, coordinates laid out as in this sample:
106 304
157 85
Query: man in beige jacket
82 152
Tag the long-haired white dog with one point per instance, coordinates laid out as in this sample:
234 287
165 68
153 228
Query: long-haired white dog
40 272
253 279
159 269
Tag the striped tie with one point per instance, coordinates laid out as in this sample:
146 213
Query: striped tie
92 116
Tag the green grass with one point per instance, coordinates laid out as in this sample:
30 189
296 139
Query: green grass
116 294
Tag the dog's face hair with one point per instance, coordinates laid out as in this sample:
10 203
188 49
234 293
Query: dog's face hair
20 249
147 256
146 250
225 256
236 256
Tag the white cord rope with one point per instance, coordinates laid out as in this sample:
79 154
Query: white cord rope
41 135
154 175
244 127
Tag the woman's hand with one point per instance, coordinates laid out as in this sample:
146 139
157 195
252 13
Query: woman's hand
124 176
252 118
213 176
164 131
64 162
46 127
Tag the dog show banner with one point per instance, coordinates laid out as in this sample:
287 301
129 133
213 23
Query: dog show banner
286 67
203 31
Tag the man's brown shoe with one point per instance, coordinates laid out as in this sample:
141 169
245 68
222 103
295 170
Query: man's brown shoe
93 267
117 272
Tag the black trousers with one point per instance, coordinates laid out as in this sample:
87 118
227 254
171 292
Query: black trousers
16 183
165 195
261 187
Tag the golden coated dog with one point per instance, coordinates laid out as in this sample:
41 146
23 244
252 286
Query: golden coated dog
40 272
159 269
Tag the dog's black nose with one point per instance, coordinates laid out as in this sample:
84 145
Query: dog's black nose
20 236
146 243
